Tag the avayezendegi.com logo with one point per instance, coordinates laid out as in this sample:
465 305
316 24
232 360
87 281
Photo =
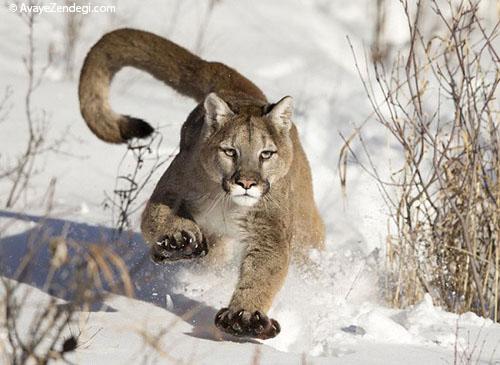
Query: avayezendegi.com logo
57 8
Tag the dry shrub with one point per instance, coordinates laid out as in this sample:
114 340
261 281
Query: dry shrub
25 165
439 102
379 45
37 332
141 161
203 27
73 23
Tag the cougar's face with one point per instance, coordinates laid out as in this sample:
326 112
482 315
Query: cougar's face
247 154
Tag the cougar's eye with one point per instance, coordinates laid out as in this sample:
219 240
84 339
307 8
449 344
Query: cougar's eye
231 152
266 155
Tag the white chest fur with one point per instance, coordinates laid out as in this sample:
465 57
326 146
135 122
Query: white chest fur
221 219
219 216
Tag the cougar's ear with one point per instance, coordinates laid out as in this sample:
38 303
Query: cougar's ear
281 114
216 112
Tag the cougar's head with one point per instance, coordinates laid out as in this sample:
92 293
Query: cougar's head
246 154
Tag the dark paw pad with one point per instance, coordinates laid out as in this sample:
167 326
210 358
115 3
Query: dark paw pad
246 324
183 245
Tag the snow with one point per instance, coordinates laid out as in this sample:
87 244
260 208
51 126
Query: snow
332 313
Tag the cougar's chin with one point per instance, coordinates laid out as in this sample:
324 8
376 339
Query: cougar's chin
244 200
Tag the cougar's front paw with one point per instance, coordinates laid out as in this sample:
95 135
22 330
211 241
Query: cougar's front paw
183 244
247 324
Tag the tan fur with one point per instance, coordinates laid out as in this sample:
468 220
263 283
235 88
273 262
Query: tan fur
199 191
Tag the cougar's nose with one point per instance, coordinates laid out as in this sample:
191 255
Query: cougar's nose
246 183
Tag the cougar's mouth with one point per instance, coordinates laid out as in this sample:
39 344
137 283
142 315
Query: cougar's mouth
245 200
245 197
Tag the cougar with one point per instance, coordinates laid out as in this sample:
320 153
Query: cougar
241 175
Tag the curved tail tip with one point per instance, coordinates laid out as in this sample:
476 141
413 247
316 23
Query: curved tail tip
134 128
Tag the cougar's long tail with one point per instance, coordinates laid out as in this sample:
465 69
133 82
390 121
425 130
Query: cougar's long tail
166 61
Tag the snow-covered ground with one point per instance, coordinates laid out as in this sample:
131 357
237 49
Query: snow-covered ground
334 314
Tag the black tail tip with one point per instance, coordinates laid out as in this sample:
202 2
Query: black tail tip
134 128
